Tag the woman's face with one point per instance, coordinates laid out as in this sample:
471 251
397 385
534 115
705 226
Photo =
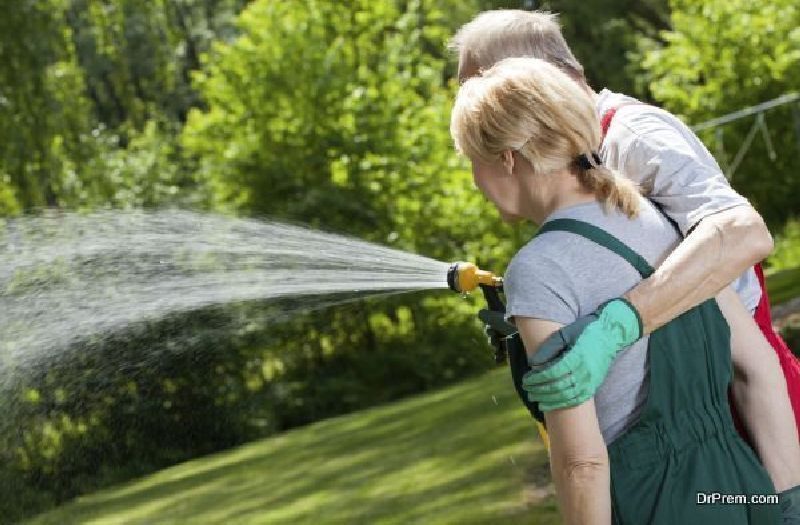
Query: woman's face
498 184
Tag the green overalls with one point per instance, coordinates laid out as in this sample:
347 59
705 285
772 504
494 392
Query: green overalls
684 442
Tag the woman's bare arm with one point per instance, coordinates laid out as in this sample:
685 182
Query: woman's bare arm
578 455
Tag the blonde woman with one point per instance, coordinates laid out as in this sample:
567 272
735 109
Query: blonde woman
658 435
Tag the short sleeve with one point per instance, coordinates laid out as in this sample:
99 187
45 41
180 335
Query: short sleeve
537 287
676 171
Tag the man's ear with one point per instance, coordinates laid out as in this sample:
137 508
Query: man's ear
508 161
467 67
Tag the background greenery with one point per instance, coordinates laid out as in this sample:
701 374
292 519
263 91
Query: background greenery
333 114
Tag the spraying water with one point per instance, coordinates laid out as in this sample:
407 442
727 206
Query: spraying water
66 278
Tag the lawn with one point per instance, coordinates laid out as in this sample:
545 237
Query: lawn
468 454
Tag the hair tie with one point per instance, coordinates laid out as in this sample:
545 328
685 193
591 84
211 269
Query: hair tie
584 162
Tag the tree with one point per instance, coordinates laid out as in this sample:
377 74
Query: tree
44 119
604 34
336 114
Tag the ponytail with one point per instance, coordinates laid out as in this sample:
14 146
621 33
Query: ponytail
611 189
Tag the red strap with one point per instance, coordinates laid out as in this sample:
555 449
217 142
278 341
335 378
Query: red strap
605 120
762 310
788 361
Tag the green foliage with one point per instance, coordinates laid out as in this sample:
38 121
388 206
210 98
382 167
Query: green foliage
783 285
43 116
137 56
786 254
146 173
721 56
9 205
791 334
604 35
91 106
311 109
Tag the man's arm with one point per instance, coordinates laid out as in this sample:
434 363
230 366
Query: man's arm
578 455
720 248
760 395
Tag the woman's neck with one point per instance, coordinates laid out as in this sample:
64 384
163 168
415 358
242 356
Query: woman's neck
565 201
563 191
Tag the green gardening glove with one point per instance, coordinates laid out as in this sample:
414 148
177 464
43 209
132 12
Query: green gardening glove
572 363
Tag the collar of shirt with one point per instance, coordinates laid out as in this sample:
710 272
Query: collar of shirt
607 99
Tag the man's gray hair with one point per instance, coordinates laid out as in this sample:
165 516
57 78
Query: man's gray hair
505 33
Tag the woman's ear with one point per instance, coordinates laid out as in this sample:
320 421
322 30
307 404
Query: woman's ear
508 161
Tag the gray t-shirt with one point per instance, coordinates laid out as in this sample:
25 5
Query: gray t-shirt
674 169
561 276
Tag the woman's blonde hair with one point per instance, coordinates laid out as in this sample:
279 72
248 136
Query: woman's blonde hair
503 33
530 106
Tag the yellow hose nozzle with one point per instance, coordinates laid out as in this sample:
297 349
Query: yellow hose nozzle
465 277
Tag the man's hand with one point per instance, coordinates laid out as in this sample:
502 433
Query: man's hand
572 363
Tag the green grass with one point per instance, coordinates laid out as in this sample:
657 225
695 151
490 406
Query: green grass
468 454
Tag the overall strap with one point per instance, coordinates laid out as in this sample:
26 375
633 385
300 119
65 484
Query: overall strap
601 237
